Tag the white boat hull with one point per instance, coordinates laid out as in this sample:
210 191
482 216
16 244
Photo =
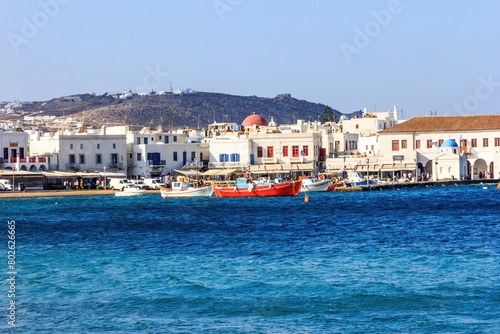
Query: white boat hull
190 192
129 193
315 187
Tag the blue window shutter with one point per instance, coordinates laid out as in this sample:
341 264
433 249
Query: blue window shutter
232 157
220 157
238 157
227 157
166 139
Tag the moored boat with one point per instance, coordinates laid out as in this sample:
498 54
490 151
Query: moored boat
182 188
312 184
129 190
246 188
356 179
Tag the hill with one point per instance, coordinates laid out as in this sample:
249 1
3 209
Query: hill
177 110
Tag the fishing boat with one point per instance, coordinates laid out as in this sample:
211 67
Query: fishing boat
181 188
356 179
332 186
129 190
246 188
312 184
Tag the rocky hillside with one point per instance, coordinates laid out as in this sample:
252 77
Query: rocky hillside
177 110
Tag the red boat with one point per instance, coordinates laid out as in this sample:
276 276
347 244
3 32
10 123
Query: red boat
245 189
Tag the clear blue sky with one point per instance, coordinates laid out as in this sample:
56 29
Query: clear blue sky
428 55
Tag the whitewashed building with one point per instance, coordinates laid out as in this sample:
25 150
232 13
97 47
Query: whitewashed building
418 142
15 153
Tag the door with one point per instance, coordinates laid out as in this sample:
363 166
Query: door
252 159
184 158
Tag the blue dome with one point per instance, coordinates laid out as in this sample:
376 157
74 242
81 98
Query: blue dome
449 143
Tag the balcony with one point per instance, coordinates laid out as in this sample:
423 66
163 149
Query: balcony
191 165
153 163
73 166
269 160
116 165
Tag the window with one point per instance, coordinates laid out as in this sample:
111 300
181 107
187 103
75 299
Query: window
175 139
337 145
440 142
139 157
270 152
152 139
98 146
114 145
21 152
98 159
357 126
395 145
429 143
235 157
81 146
417 144
404 144
373 147
145 141
175 156
166 139
223 157
285 151
497 141
138 140
72 159
70 146
485 142
159 138
473 142
305 149
259 152
193 156
82 158
6 153
295 151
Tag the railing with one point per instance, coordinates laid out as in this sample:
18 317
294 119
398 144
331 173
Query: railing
193 165
269 160
156 162
32 159
72 166
227 164
13 160
116 165
23 160
42 159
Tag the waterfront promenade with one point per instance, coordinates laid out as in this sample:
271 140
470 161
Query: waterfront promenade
59 193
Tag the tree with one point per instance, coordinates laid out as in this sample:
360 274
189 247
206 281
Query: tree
328 115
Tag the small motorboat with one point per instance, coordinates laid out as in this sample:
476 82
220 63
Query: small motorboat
312 184
130 190
356 179
182 188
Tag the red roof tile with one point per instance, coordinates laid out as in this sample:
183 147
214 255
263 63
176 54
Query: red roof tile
447 123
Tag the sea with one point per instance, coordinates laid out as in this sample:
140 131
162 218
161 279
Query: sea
420 260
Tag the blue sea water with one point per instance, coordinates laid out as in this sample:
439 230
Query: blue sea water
401 261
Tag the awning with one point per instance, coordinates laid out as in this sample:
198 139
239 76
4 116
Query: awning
212 172
367 168
398 166
302 167
186 172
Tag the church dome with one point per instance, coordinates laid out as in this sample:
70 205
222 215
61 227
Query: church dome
449 143
254 120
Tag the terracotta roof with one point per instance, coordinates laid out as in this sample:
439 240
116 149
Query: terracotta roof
447 123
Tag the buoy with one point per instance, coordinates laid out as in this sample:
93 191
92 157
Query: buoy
498 185
306 199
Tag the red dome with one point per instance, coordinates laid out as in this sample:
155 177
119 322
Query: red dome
254 119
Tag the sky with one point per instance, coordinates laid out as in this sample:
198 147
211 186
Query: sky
422 56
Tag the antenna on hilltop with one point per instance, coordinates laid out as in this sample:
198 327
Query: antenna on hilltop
171 87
